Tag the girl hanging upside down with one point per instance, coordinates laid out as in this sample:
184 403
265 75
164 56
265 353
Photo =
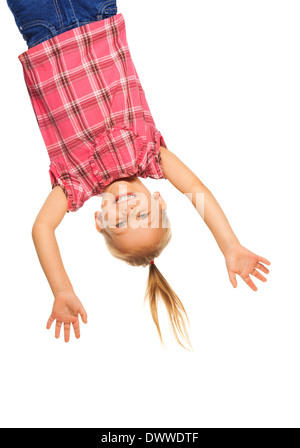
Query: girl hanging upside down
101 139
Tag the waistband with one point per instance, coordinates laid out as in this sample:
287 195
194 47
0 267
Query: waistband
65 41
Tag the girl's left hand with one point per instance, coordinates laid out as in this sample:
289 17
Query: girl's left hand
243 262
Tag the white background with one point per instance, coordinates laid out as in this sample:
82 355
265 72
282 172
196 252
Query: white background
222 82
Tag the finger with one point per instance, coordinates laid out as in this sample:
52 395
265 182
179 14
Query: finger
264 260
76 329
49 322
57 329
72 320
67 332
83 315
262 268
258 275
232 278
250 283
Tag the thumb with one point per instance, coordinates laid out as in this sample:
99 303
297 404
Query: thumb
232 278
83 315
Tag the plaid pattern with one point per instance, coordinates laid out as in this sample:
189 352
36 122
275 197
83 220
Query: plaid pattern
91 110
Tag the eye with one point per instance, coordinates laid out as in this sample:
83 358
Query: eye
118 225
140 215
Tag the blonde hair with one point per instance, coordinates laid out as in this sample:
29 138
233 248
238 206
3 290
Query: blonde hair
157 285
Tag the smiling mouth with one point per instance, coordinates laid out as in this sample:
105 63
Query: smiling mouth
127 196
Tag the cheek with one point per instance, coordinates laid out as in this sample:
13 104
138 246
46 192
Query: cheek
109 215
144 204
156 218
111 219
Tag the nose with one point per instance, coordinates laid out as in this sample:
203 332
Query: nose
127 208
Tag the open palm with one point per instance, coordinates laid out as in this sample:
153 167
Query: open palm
65 311
243 262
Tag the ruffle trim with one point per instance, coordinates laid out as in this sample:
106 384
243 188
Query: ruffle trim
56 180
154 156
109 135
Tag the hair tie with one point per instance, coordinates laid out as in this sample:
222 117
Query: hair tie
152 261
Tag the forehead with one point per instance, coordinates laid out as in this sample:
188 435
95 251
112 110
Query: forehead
141 238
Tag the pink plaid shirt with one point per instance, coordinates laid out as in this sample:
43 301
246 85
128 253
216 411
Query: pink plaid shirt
91 110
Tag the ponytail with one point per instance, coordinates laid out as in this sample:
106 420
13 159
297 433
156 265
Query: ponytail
157 286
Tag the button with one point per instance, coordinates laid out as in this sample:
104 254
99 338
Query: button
21 27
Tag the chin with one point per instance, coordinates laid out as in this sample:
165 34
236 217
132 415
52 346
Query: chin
124 179
110 187
128 179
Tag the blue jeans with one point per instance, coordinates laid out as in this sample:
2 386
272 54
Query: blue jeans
39 20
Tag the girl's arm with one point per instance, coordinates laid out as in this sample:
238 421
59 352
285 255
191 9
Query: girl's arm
43 234
239 260
66 304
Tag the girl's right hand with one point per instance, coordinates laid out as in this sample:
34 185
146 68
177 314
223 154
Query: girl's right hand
65 311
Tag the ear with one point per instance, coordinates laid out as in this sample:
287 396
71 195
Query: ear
98 221
159 198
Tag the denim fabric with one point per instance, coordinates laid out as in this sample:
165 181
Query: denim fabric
39 20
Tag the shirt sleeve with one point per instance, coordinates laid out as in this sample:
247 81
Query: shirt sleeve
70 184
154 167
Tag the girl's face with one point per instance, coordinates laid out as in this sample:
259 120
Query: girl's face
131 215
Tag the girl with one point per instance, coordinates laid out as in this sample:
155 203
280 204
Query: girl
101 139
